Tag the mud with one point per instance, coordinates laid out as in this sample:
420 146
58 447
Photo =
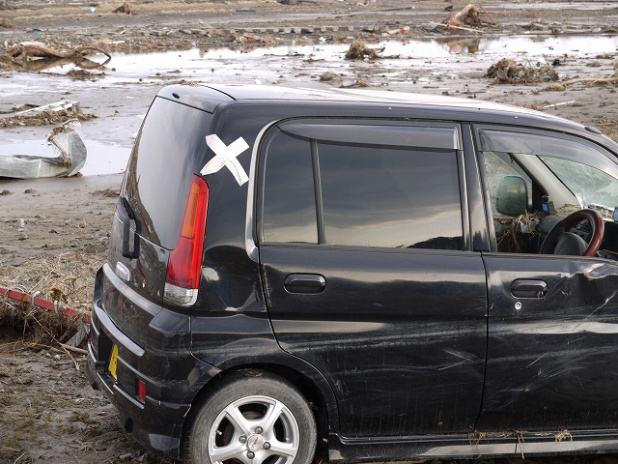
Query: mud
55 232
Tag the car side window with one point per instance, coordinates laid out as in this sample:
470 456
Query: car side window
534 179
346 186
390 197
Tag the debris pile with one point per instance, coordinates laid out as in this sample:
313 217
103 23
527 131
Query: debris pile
52 114
126 9
359 50
507 71
40 320
46 299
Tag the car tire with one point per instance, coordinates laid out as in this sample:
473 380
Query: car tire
252 418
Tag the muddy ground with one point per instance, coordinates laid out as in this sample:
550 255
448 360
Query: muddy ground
54 233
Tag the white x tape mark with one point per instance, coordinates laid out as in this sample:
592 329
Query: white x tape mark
225 155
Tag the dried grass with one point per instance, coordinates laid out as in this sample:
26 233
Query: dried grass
67 279
510 239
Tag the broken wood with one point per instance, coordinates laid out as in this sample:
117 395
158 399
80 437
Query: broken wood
592 81
460 28
73 349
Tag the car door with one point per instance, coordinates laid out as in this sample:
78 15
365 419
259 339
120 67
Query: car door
553 319
367 271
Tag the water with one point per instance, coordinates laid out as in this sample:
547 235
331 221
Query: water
434 63
244 62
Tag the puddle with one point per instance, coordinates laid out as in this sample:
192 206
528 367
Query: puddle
102 158
244 62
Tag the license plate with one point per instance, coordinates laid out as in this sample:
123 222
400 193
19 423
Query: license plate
113 362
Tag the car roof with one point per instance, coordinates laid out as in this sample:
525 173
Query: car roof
272 92
208 96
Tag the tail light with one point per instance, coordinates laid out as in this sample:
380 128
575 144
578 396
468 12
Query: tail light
185 264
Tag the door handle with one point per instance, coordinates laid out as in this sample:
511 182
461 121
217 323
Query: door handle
305 283
529 288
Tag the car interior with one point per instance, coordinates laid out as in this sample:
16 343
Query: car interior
535 211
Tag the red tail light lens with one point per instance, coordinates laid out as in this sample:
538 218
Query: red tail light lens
185 264
141 390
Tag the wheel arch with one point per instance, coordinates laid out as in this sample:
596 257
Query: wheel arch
312 386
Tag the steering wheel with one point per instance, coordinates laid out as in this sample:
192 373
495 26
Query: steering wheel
561 241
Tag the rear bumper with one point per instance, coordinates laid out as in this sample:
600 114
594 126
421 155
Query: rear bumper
159 358
155 423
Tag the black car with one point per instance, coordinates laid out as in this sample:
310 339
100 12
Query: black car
360 275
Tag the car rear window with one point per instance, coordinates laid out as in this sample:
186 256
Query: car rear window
169 149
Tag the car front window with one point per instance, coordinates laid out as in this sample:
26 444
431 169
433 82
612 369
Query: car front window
570 171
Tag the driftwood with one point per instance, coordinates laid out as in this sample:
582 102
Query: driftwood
592 81
26 50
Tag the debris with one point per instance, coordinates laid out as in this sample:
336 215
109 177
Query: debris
125 8
556 105
358 50
72 157
563 435
36 56
6 24
47 319
77 339
508 71
555 87
592 82
56 106
328 77
54 113
29 50
467 16
252 38
354 84
470 15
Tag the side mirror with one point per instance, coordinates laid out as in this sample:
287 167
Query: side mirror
512 197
